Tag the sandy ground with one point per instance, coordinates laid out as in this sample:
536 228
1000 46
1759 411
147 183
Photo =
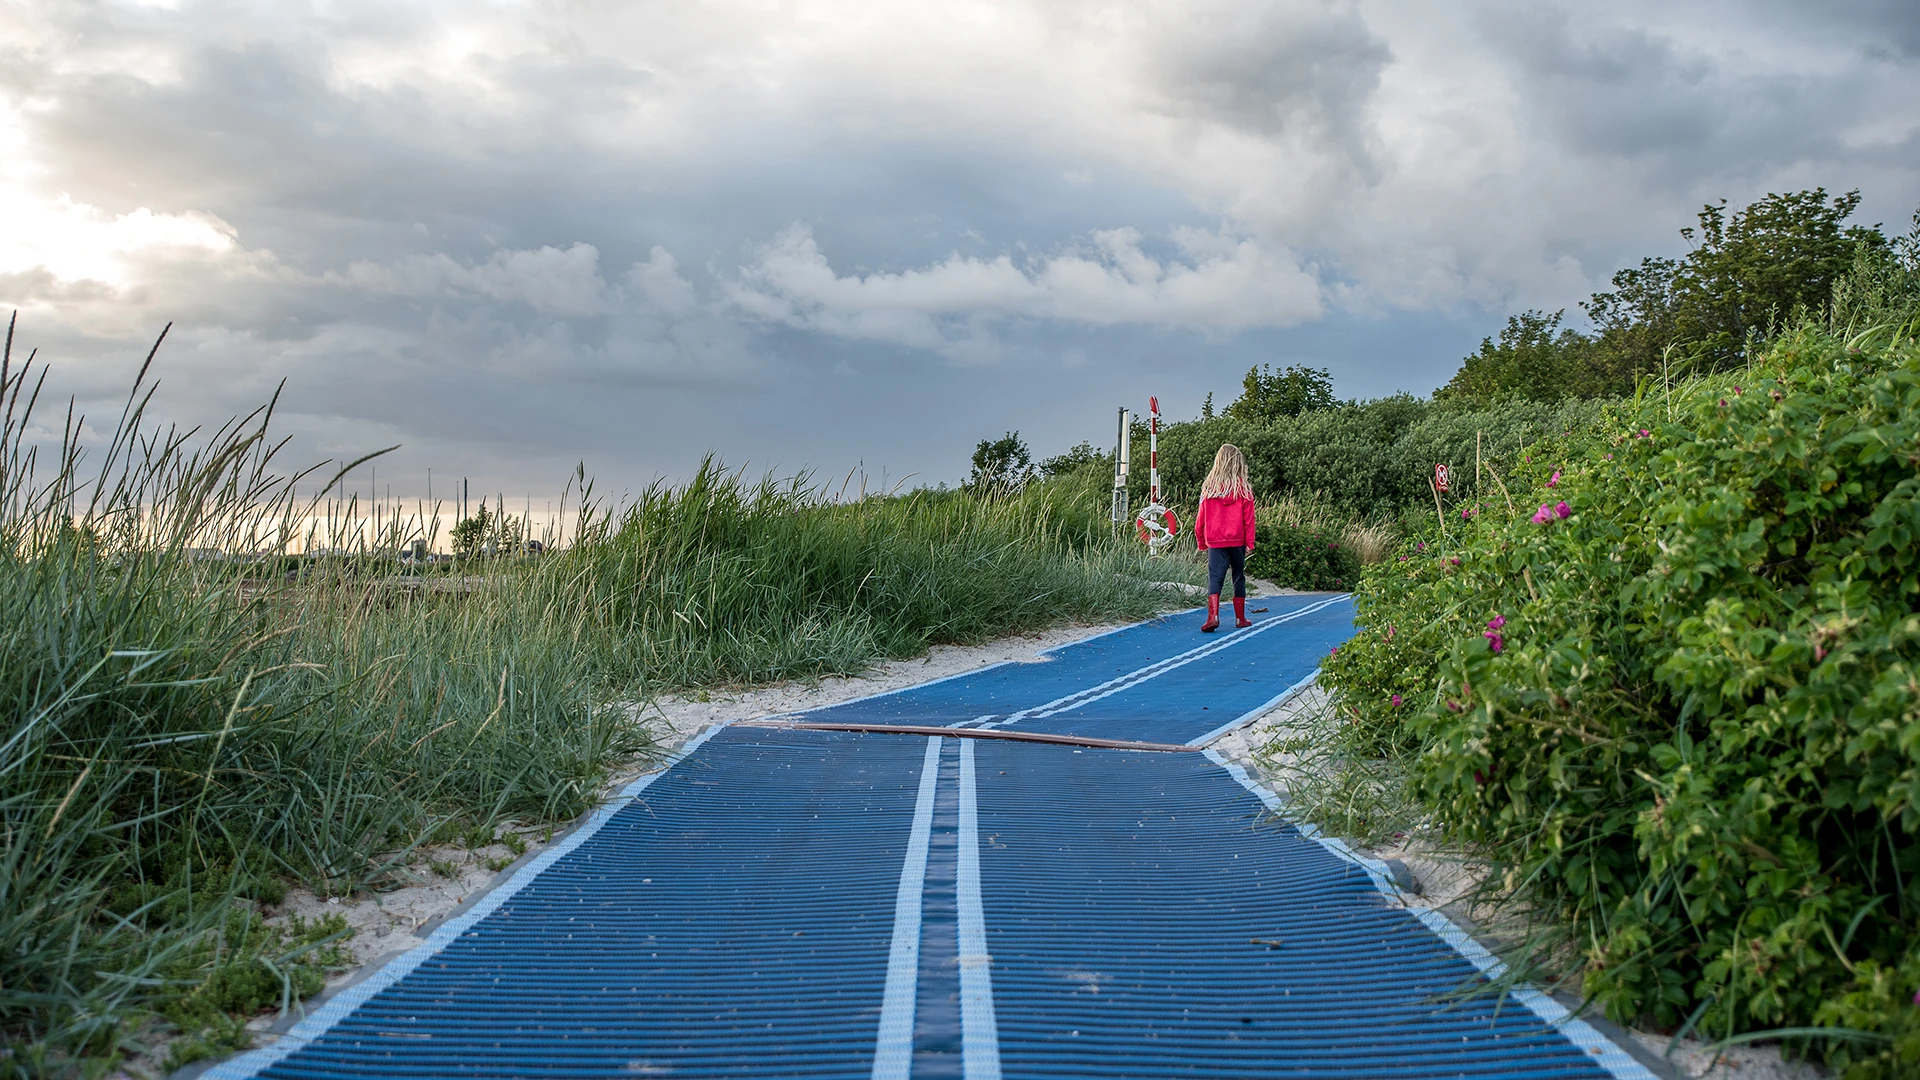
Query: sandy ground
387 924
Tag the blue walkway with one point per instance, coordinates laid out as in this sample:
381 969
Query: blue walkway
831 904
1159 681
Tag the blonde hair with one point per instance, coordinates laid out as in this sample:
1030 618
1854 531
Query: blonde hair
1228 477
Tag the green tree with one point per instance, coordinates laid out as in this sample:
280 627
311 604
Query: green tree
1535 357
1267 394
1765 266
1633 324
1082 458
1770 262
1751 272
1001 466
470 534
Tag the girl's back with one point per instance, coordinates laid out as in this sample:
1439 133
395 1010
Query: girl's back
1223 527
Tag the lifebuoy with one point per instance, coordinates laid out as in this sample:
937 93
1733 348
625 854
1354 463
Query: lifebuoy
1156 526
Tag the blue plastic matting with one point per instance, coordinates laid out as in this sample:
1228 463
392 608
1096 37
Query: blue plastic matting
1147 918
788 903
733 920
1159 681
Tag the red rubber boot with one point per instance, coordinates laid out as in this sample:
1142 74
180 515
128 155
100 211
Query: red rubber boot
1240 612
1213 615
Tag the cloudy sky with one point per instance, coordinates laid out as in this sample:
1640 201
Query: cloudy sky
514 236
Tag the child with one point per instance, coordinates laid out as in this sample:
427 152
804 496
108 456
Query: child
1224 528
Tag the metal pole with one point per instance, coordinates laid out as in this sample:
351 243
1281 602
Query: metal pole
1122 453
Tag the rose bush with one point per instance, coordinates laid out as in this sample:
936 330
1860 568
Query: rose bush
1677 700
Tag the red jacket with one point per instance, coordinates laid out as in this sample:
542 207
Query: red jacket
1224 523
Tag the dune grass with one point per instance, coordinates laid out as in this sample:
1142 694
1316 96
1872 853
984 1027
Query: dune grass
196 719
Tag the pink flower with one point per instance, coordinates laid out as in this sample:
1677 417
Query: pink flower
1554 481
1644 433
1542 515
1496 622
1333 650
1609 457
1396 704
1422 546
1455 562
1723 403
1563 511
1466 513
1495 641
1737 390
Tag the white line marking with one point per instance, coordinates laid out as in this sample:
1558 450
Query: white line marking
979 1032
1057 649
1154 670
1604 1052
893 1045
321 1020
1255 713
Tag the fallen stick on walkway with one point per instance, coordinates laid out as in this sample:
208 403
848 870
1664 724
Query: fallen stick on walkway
975 733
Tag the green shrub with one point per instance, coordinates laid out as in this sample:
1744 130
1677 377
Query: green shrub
1674 693
1303 557
1369 460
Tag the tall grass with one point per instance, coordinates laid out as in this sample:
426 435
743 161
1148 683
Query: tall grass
1370 540
726 581
194 719
184 730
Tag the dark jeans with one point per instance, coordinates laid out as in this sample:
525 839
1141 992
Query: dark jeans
1218 561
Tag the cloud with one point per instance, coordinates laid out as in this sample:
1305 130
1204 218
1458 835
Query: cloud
545 316
76 242
1424 155
1214 282
545 280
496 232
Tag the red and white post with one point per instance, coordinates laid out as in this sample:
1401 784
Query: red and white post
1157 525
1153 450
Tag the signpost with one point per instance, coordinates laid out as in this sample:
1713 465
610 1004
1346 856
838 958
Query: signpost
1122 454
1440 477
